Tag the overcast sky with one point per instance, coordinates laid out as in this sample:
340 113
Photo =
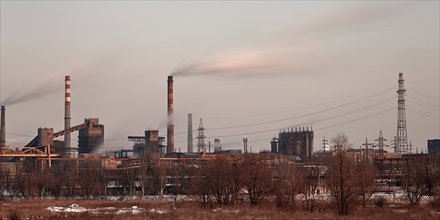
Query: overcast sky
255 66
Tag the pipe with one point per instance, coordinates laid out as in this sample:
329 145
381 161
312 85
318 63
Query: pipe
3 127
190 134
68 150
170 126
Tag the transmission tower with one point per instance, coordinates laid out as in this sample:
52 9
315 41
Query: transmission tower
201 137
402 140
367 144
381 143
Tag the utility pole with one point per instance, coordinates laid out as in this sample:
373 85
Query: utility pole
366 144
410 147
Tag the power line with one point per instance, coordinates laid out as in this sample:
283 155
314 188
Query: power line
425 94
424 103
303 115
330 126
373 88
320 120
421 112
358 119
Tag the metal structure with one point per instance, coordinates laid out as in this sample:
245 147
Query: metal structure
201 146
91 136
402 139
190 134
37 140
3 127
296 141
150 143
367 144
45 151
381 143
170 125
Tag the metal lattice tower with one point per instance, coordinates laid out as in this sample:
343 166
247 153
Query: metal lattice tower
402 139
381 143
201 137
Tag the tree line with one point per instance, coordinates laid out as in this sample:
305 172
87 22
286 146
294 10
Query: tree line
345 182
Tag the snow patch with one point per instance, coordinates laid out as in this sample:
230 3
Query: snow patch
75 208
225 210
71 208
158 211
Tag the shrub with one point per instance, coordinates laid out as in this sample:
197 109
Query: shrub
14 215
435 203
380 201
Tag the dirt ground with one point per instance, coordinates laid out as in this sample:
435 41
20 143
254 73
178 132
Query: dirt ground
37 209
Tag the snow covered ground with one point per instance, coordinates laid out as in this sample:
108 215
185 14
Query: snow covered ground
75 208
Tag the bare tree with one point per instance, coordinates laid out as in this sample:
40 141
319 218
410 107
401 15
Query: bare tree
257 178
281 185
414 181
149 160
312 179
221 180
5 183
341 176
288 182
366 181
200 185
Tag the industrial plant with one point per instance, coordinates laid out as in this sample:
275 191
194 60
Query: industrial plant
295 142
294 146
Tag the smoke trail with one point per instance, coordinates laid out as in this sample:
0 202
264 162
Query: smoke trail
233 64
80 69
40 88
346 19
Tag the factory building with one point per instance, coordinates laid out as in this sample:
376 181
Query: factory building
90 137
434 147
150 143
295 141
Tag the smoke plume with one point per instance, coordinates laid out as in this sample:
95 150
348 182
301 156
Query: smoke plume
233 64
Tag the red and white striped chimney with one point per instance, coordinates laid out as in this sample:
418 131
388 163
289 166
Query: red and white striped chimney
68 149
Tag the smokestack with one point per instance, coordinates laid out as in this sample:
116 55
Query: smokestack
68 149
3 128
170 127
190 133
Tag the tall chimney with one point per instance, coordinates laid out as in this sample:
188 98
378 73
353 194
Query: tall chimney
68 149
2 127
170 126
190 133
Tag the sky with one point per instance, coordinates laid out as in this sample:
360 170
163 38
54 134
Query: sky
249 69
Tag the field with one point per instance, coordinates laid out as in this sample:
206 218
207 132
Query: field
147 209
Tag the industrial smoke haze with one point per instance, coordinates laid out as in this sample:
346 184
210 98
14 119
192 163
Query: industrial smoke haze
336 19
40 88
52 81
247 63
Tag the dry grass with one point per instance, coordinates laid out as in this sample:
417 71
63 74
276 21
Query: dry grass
35 209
